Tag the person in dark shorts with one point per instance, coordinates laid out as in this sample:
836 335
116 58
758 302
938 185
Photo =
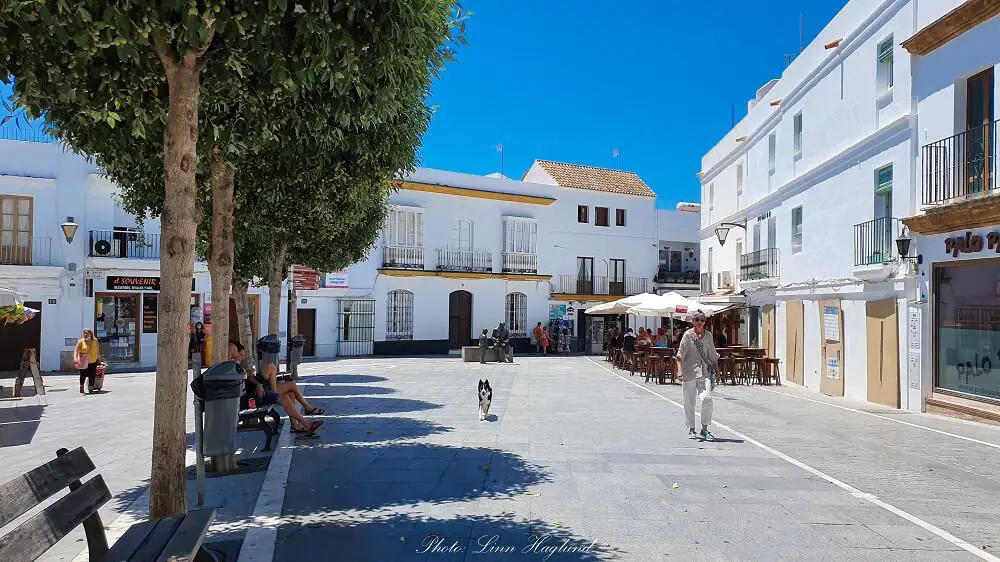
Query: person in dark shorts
265 397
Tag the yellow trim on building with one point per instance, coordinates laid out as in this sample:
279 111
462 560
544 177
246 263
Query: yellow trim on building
584 298
476 193
462 274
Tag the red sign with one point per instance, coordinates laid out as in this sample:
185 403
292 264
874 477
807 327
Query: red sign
682 309
306 279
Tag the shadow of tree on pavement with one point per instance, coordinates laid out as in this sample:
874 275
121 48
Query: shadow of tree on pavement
374 429
402 537
329 390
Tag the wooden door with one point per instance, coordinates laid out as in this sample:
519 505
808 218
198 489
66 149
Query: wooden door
307 327
795 342
15 338
459 319
883 353
767 337
979 141
831 325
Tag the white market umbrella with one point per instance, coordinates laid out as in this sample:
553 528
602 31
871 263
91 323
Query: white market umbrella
670 305
621 306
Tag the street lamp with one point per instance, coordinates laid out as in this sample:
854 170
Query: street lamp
69 229
723 230
903 247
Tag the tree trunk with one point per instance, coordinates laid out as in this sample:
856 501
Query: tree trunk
274 289
221 248
178 225
241 289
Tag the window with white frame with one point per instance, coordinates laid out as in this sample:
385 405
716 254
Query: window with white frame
772 147
797 136
405 227
516 314
520 235
461 235
399 315
797 229
884 73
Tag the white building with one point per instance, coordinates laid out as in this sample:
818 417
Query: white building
955 220
807 190
107 279
679 249
460 253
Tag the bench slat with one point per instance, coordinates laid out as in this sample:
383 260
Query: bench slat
134 537
157 539
188 538
36 535
32 488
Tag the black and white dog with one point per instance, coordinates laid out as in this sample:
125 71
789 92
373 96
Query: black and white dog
485 397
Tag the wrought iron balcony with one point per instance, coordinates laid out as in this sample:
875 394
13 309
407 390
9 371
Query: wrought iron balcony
875 241
403 257
516 262
36 252
664 275
124 244
572 284
762 264
464 260
961 166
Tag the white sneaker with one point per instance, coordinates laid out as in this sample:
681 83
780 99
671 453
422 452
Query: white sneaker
692 434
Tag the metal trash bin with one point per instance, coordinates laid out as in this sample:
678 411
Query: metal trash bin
268 348
220 388
295 348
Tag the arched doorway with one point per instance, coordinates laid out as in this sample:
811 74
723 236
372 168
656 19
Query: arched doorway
459 319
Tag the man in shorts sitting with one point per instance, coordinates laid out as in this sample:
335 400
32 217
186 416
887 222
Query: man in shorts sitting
265 397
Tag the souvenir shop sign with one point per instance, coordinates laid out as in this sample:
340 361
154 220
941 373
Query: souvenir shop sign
123 283
130 283
972 244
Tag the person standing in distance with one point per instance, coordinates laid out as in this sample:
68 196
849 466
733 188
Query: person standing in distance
697 362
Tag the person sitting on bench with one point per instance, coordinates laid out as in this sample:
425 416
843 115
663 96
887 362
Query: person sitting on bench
269 377
266 397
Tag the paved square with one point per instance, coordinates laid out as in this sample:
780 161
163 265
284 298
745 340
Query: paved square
576 463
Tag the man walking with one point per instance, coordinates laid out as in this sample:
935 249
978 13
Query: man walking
697 362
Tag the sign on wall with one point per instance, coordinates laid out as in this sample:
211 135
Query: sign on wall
335 280
972 243
149 314
831 324
122 283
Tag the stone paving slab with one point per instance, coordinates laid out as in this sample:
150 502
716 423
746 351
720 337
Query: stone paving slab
574 454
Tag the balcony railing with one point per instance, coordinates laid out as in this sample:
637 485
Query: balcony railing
961 166
664 275
705 285
25 133
39 252
403 257
571 284
465 260
875 241
762 264
516 262
124 244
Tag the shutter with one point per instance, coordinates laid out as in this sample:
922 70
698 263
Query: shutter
883 181
885 52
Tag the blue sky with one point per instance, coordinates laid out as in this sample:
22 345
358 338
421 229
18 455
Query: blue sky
570 80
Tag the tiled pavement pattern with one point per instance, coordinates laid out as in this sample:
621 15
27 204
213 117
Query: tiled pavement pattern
115 428
578 454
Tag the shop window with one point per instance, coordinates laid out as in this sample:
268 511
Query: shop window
115 326
967 301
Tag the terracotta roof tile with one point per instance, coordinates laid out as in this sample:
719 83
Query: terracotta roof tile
597 179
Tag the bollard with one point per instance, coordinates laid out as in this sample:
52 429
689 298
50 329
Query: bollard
199 410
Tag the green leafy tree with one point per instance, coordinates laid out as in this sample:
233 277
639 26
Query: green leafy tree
107 73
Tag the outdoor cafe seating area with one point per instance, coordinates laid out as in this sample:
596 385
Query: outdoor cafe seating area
738 364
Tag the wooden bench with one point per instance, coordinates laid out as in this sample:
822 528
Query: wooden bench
175 538
256 419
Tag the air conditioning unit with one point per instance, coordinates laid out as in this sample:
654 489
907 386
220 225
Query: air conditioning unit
725 280
105 248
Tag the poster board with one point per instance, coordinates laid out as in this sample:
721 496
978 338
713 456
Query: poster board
29 366
831 347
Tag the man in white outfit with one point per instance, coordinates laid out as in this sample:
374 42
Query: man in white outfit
697 361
